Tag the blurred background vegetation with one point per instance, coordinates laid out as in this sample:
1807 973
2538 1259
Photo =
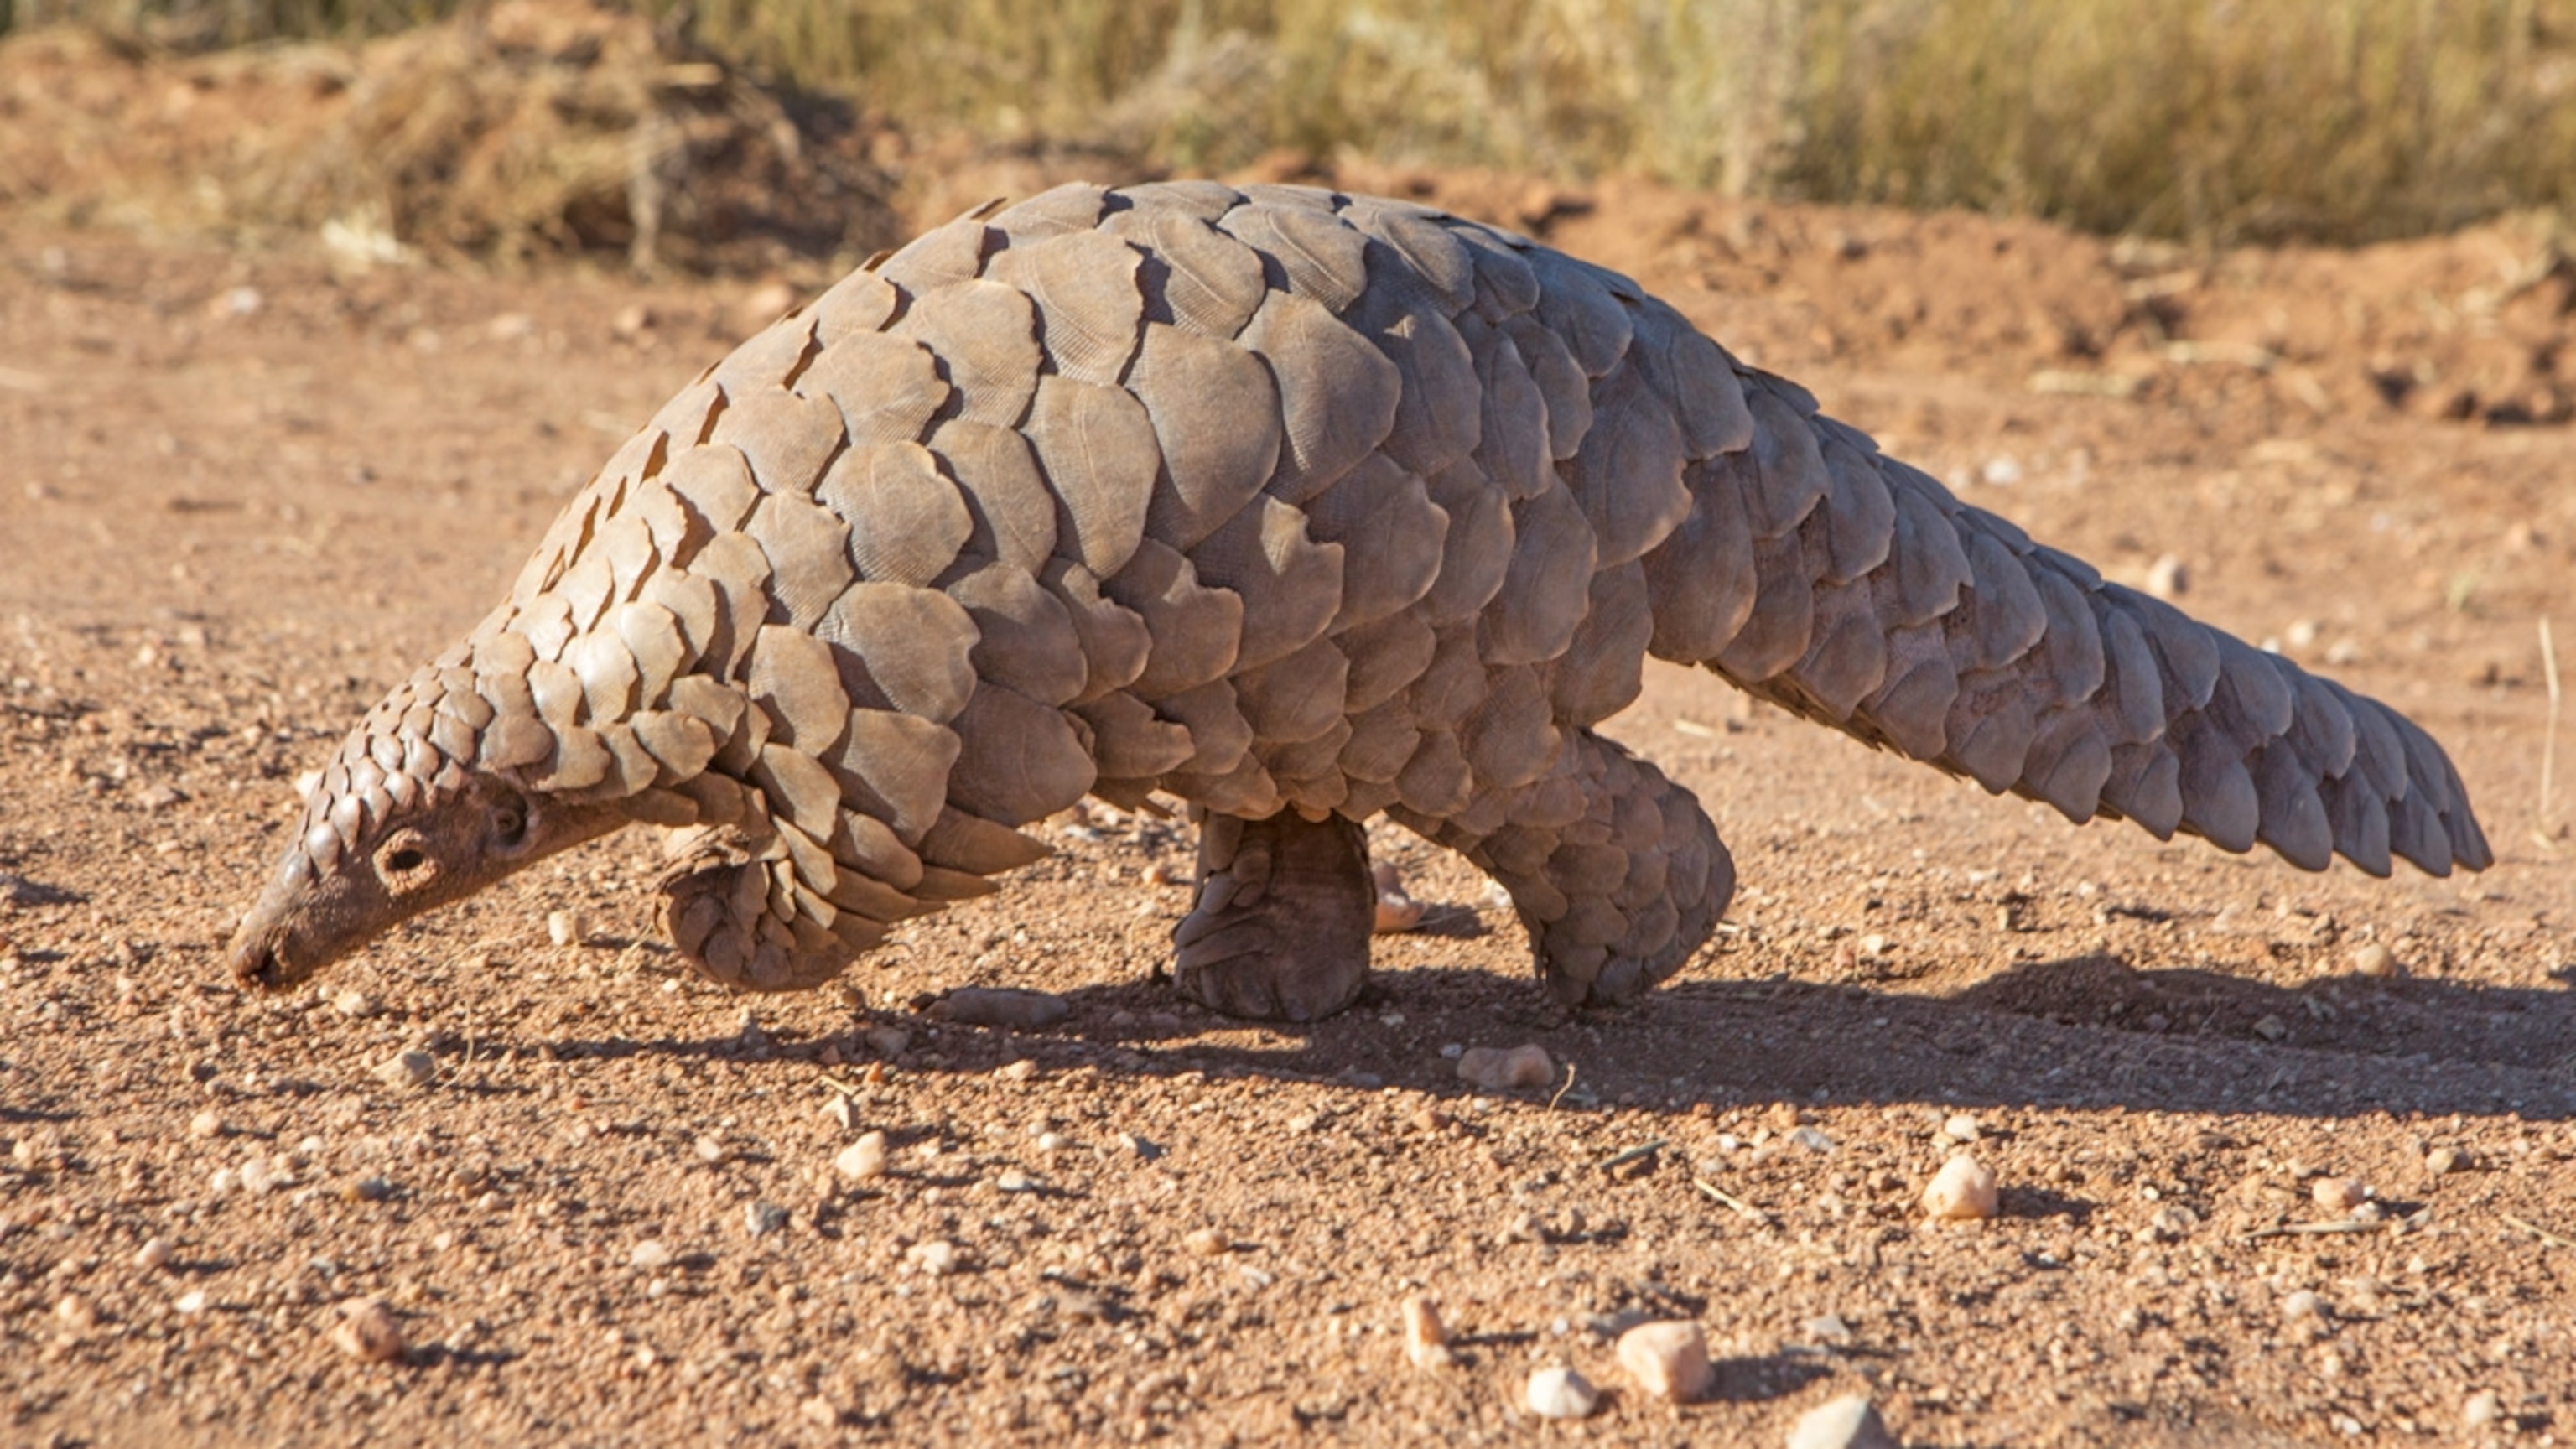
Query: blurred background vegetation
2211 120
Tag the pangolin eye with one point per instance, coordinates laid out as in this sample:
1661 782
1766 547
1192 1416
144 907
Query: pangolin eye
404 861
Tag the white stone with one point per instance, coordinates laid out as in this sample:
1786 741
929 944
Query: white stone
1560 1393
863 1159
565 928
1964 1188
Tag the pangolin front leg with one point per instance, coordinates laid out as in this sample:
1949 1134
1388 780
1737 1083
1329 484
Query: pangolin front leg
1279 928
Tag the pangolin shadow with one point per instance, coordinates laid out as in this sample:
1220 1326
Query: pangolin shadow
2078 1032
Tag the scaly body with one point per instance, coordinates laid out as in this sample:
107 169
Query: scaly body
1301 507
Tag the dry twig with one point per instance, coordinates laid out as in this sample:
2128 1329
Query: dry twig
1729 1200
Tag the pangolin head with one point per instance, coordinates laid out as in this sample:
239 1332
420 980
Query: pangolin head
407 817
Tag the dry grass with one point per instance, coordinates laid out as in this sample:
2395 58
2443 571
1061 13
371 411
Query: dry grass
2211 119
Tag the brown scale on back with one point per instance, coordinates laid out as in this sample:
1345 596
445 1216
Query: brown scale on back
1303 508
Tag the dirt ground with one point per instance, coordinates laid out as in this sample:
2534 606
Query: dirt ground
245 491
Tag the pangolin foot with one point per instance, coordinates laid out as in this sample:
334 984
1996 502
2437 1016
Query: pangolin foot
1280 927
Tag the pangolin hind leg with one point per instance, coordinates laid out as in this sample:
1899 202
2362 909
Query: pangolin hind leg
1280 925
1616 872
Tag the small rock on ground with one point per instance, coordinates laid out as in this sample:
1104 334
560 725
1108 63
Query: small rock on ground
1560 1393
1498 1070
369 1332
1850 1422
1002 1007
1963 1189
863 1159
1426 1342
407 1070
1668 1360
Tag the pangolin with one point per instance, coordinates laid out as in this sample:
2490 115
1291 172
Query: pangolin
1302 507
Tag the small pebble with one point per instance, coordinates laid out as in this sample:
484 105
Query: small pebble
192 1301
843 1110
1850 1422
564 928
2443 1161
710 1150
206 1124
2375 959
1207 1242
888 1041
155 1253
1498 1070
2302 1304
760 1219
1396 911
1827 1328
649 1254
2172 1223
1560 1393
2482 1409
1668 1360
2339 1194
356 1003
1813 1139
938 1257
369 1332
407 1070
2271 1028
1014 1180
258 1174
1052 1142
1964 1188
1963 1128
863 1159
1425 1341
2167 578
76 1313
1002 1007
